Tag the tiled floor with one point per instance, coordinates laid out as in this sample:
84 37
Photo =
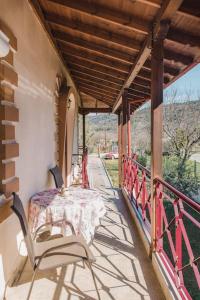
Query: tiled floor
122 268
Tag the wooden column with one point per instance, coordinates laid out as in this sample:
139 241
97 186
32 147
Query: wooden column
84 132
124 122
62 128
129 128
156 123
119 147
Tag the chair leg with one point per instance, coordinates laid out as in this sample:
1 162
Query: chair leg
15 280
94 279
32 282
4 294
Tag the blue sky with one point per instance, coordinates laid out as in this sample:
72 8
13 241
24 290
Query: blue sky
190 82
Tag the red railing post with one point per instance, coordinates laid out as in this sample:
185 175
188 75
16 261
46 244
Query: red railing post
178 237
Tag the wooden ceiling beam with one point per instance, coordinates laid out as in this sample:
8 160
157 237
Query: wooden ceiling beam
95 75
107 14
87 110
98 97
91 46
190 9
91 81
95 92
111 63
153 3
137 94
138 87
82 82
183 37
97 32
178 57
142 82
94 66
83 86
166 12
174 71
135 90
136 101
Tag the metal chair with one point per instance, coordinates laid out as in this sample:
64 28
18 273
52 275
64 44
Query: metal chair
53 253
57 175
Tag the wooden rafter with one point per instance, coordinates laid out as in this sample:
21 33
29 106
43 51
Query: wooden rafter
100 59
93 74
88 110
97 87
98 97
166 12
98 48
94 66
140 88
132 93
107 14
98 83
94 92
79 26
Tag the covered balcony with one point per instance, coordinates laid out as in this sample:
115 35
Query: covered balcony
59 61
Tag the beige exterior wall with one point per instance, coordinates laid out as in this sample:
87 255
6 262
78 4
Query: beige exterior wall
37 64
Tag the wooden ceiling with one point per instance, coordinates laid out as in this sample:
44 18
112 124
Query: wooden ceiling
106 44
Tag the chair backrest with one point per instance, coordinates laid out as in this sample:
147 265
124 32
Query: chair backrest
56 172
17 207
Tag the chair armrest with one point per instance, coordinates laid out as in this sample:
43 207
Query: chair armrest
54 223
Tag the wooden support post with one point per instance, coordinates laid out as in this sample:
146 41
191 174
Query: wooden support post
128 128
84 132
62 128
156 124
120 148
124 122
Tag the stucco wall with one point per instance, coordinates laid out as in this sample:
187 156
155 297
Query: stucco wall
37 64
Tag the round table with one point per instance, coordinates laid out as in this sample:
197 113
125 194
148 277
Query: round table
82 207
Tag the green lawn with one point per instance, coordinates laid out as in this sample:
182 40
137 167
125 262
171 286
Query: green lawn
112 168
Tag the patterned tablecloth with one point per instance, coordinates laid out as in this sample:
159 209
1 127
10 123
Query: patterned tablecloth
82 207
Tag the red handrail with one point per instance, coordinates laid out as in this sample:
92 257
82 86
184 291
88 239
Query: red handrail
177 216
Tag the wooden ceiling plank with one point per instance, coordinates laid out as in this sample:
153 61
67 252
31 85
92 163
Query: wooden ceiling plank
119 55
82 86
112 64
82 71
94 66
183 37
92 90
166 12
177 57
190 9
100 33
143 92
97 82
107 14
138 87
95 110
137 94
82 82
174 71
102 98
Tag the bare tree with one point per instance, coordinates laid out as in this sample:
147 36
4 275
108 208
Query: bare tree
182 127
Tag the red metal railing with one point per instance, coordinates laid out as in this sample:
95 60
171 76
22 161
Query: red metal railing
85 181
178 237
177 225
136 180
